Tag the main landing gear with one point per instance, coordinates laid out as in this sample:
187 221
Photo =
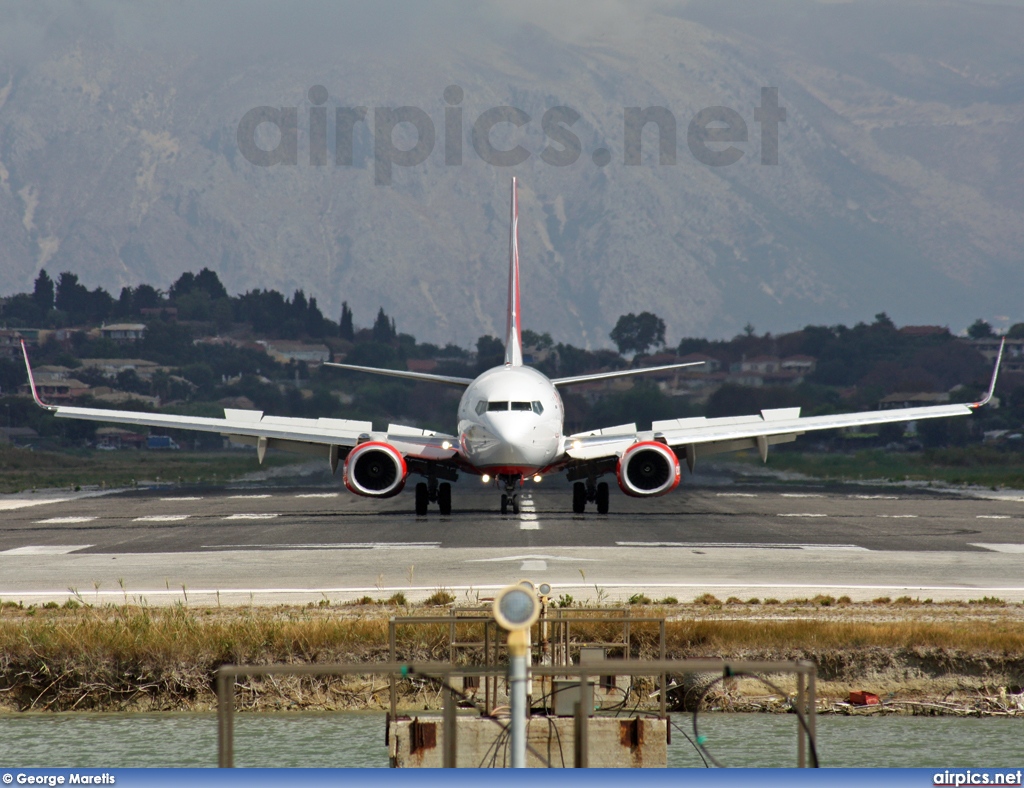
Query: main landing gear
441 494
589 491
510 498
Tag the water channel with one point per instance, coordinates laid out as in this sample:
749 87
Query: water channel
357 739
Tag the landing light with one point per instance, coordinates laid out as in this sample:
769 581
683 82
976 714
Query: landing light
485 478
446 445
537 477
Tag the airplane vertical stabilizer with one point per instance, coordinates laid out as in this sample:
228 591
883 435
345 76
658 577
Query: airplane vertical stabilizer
514 329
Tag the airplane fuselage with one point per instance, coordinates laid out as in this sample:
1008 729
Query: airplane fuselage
510 421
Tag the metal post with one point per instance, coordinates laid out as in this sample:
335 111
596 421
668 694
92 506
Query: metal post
663 678
392 687
812 704
450 743
801 741
225 721
487 663
517 702
581 759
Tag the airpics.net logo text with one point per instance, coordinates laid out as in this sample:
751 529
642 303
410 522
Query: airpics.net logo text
975 777
269 136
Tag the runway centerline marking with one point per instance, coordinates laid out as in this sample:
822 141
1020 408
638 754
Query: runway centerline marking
993 517
161 518
67 520
183 498
317 495
876 497
899 516
803 514
528 516
735 495
45 549
250 516
801 495
249 497
1000 548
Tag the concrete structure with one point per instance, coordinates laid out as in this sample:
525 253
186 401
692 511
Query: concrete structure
123 332
613 742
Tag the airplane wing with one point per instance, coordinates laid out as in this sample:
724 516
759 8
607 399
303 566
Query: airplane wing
620 373
330 438
700 436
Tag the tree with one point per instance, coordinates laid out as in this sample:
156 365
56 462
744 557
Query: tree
345 328
383 328
490 352
1016 331
637 333
980 329
43 293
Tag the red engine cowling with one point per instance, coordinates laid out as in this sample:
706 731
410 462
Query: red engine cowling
648 469
376 470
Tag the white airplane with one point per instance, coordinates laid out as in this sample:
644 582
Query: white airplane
510 430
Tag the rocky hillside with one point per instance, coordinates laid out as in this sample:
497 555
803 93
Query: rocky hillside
899 186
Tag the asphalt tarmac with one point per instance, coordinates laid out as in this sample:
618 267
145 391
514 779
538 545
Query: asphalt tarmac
729 537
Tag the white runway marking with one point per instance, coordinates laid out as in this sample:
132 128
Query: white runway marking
327 546
520 558
317 495
736 495
528 516
751 545
184 498
56 520
993 517
161 518
1000 548
876 497
249 497
802 495
899 516
802 514
250 517
46 549
534 565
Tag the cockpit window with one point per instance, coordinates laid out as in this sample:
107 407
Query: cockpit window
522 406
497 406
481 407
538 408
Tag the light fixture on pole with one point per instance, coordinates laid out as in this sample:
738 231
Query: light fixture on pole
516 608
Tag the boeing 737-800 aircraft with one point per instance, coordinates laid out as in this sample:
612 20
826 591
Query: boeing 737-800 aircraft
510 430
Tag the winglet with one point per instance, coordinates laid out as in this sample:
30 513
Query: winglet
513 328
992 385
32 380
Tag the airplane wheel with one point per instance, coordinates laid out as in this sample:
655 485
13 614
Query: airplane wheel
422 499
515 505
504 503
444 498
602 498
579 497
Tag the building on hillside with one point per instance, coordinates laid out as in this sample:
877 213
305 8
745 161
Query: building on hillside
284 350
118 438
56 390
1013 355
123 332
112 367
902 399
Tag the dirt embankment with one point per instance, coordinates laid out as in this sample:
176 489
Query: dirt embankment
918 658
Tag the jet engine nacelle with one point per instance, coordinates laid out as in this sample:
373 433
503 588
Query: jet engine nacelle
648 469
376 470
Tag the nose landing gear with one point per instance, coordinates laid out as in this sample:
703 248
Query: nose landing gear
510 498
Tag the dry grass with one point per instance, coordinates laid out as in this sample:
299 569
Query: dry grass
138 657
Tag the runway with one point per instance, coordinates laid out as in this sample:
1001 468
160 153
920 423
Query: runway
270 545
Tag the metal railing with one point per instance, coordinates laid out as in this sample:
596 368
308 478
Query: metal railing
552 641
805 695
